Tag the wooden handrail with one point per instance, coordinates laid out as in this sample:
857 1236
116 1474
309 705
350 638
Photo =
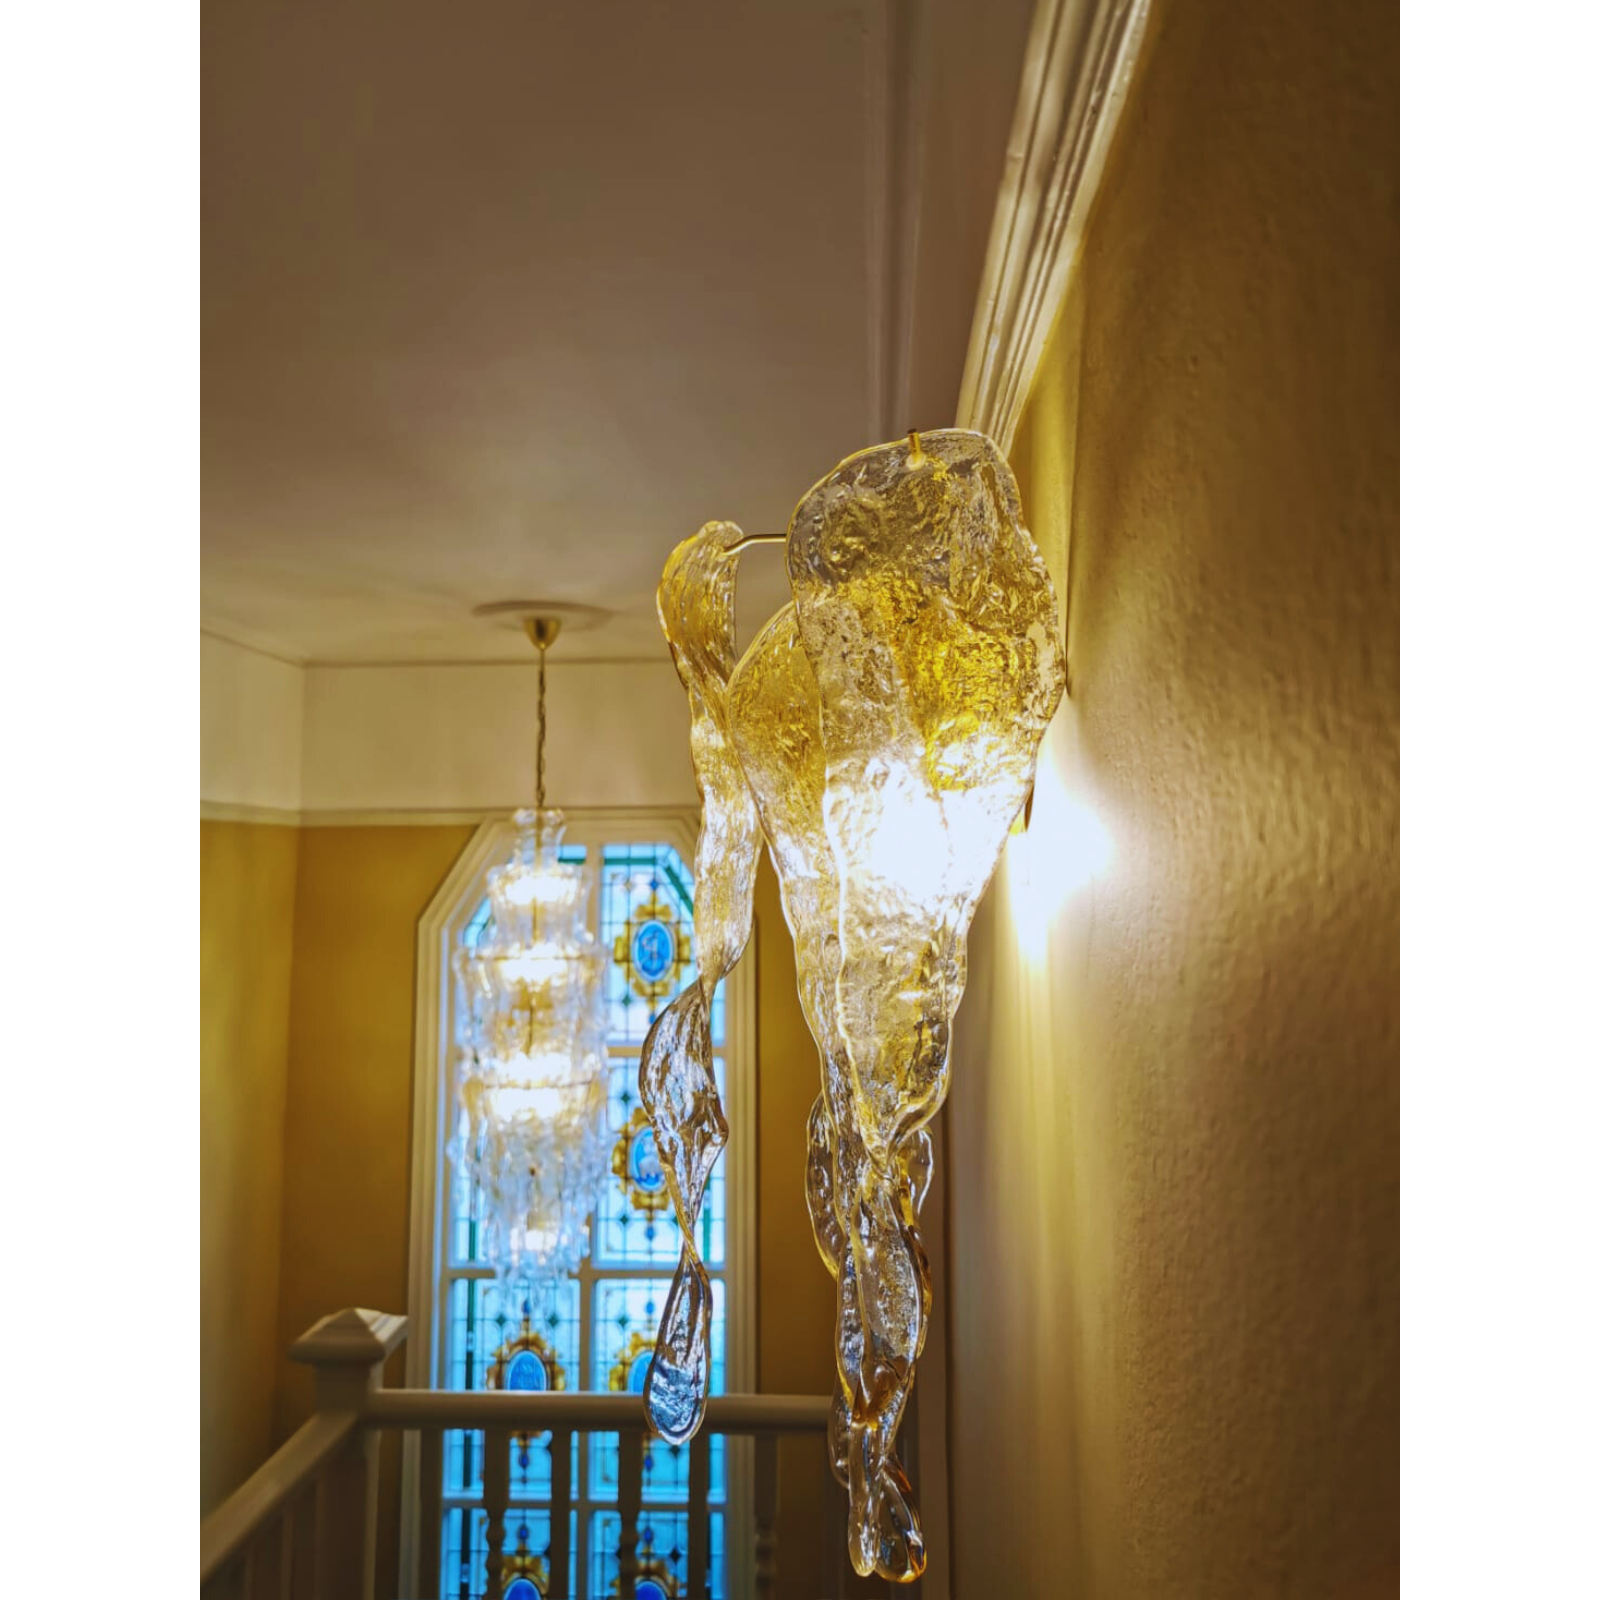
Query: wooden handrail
257 1535
271 1487
534 1412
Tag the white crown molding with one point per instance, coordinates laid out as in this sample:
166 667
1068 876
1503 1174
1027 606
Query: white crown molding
260 816
257 645
1075 75
895 40
421 817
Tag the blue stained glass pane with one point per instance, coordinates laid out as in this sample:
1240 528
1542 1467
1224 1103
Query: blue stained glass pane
646 927
483 1323
654 950
526 1548
526 1371
628 1234
645 1171
647 923
624 1319
662 1553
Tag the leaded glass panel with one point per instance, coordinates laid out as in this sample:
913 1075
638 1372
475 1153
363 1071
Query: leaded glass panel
526 1548
663 1555
596 1332
624 1324
636 1225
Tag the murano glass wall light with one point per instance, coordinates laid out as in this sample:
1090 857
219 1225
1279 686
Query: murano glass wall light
880 737
530 1066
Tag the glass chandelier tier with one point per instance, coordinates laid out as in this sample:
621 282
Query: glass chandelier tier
530 1058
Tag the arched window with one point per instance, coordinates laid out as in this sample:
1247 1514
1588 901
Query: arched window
598 1331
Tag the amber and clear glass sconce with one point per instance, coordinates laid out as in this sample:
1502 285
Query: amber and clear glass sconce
880 737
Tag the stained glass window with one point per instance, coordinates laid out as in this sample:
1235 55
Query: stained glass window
597 1332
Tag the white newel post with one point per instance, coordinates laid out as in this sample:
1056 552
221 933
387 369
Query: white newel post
348 1350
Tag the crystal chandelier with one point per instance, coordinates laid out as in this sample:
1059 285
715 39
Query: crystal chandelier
530 1059
880 736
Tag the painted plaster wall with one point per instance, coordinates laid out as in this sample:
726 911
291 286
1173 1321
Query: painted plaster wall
279 738
455 738
247 888
794 1314
1174 1124
347 1131
252 726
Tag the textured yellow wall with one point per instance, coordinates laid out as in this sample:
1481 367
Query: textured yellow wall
347 1143
1174 1125
247 888
794 1326
347 1133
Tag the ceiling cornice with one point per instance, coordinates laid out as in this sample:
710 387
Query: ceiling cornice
254 643
1079 61
896 41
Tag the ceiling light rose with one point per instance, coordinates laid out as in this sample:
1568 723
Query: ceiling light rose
880 735
531 1054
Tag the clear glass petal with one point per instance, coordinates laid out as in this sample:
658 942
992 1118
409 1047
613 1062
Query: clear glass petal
677 1084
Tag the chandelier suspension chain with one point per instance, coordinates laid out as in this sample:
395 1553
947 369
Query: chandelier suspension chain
539 758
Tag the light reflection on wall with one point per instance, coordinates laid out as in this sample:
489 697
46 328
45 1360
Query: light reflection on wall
1064 849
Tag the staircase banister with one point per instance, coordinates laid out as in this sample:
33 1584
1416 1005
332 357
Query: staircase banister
271 1487
354 1337
534 1411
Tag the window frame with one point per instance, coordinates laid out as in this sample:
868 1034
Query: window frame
438 931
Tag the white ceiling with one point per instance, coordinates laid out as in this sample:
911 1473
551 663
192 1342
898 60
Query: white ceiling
503 300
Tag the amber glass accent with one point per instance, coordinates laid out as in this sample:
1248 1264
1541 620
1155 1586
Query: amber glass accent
887 724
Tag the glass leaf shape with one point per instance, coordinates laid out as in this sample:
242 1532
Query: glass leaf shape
929 620
862 1215
677 1084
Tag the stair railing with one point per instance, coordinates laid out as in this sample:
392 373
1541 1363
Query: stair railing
304 1526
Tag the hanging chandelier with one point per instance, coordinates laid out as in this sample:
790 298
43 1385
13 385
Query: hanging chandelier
880 736
530 1058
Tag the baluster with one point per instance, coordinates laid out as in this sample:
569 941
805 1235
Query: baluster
228 1583
496 1492
699 1516
286 1551
630 1473
263 1562
560 1512
348 1351
430 1513
300 1549
766 1514
346 1520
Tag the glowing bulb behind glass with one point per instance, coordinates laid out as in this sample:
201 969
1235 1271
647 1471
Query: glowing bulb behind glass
1065 847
